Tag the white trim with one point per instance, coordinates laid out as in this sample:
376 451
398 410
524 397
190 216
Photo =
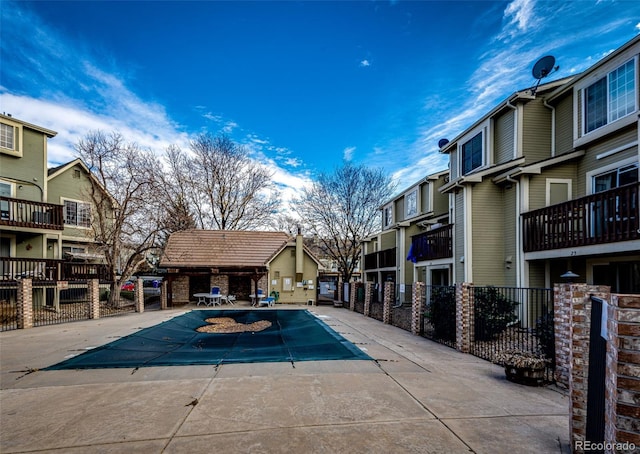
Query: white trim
617 150
468 233
550 181
580 251
76 226
16 151
408 215
485 129
594 173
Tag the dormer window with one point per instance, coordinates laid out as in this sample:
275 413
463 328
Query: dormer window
411 202
471 154
611 97
387 215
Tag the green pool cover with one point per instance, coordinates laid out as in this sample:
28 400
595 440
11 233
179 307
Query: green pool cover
294 335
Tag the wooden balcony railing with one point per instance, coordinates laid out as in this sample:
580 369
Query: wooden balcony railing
600 218
31 214
12 268
431 245
380 259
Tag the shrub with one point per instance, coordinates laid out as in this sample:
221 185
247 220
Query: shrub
493 312
441 313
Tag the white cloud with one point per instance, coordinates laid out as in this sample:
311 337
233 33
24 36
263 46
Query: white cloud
347 153
638 26
364 63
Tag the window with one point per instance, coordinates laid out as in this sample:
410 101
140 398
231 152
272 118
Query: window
6 190
472 154
615 178
388 216
10 138
610 98
77 213
411 201
6 136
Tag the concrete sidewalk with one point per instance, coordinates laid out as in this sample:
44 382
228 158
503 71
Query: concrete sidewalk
418 396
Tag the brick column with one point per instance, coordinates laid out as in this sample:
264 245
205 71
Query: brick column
464 308
417 306
622 386
352 296
24 304
368 288
578 298
387 301
93 290
164 288
562 328
138 296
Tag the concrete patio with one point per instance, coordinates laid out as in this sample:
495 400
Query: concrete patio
417 396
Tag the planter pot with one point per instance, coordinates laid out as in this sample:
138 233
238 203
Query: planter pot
531 376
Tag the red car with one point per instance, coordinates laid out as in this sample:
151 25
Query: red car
128 286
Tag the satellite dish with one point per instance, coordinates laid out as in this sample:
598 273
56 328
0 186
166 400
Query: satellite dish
442 142
542 69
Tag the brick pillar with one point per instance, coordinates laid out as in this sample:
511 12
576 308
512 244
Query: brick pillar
562 328
622 386
352 296
340 291
24 304
93 290
138 296
387 301
164 289
578 298
464 308
368 289
417 306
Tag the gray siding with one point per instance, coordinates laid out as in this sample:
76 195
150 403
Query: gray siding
537 274
488 234
503 137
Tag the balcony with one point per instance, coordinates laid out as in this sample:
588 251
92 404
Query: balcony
12 268
601 218
30 214
380 259
431 245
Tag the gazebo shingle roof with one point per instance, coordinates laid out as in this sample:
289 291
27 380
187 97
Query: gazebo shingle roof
221 248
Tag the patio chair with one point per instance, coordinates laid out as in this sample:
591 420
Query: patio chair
215 290
268 301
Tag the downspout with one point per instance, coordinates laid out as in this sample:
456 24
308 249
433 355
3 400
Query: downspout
553 126
518 232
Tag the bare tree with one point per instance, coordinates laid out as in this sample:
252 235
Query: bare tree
128 212
342 209
224 187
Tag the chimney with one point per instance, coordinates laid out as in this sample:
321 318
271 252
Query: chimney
299 256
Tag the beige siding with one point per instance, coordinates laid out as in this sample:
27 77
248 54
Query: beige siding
425 198
537 274
564 128
488 234
388 240
458 230
538 184
503 137
69 186
536 144
29 168
510 226
440 200
591 162
453 164
284 265
400 214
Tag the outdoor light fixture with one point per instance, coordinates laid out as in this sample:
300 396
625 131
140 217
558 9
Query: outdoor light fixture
569 276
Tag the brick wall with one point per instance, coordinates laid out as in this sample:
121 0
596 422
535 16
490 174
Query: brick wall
222 281
464 306
180 290
24 304
387 301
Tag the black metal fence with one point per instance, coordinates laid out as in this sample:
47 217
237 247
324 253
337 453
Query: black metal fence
8 313
439 314
510 318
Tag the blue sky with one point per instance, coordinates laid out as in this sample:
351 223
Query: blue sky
302 84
